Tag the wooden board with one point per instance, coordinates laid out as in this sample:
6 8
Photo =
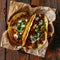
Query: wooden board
53 51
2 27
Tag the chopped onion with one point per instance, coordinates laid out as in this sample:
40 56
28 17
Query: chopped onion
34 26
41 22
37 18
19 47
20 33
38 34
22 26
38 39
16 36
33 41
19 21
26 20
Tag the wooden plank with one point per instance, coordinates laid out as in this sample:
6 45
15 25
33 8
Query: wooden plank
46 2
58 9
2 17
53 54
33 57
2 27
2 53
35 2
55 4
50 55
15 55
58 5
51 3
40 2
58 53
25 1
11 54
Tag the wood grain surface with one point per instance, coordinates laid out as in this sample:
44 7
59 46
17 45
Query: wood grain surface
2 26
53 51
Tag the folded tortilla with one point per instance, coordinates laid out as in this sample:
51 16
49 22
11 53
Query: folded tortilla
16 27
38 33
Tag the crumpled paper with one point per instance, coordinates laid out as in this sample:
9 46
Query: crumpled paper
19 6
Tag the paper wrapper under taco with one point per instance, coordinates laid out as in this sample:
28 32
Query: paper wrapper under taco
18 6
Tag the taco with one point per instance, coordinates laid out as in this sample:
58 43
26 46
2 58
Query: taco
19 27
38 33
16 27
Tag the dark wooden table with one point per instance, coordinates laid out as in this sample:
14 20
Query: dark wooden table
53 51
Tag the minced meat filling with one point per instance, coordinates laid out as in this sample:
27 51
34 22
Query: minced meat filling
36 34
19 28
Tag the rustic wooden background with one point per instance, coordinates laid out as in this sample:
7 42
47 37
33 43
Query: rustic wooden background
53 51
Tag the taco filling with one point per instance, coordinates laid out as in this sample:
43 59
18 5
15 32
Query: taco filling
38 32
17 26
